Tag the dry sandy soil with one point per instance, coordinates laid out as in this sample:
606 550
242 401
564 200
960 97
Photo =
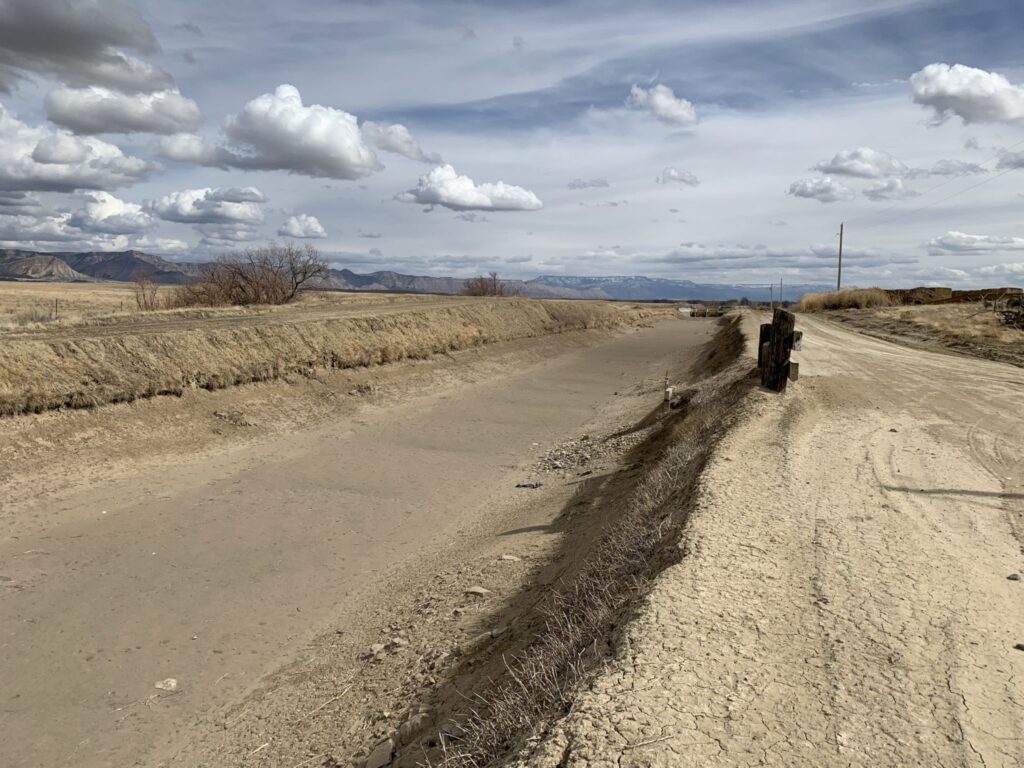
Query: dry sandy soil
968 329
253 543
846 594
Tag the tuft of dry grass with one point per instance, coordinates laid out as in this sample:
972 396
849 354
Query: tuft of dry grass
169 352
540 683
848 298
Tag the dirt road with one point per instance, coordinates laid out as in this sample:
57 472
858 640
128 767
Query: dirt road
844 597
215 571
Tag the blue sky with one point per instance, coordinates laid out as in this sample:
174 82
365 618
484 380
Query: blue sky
712 141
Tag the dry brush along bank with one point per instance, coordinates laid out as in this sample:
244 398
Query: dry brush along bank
84 369
621 530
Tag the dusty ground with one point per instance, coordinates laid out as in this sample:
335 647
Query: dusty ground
254 543
968 329
846 595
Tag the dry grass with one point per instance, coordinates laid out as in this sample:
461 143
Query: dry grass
848 298
31 305
969 329
539 684
169 352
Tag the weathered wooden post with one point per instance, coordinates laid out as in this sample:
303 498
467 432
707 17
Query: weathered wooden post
775 343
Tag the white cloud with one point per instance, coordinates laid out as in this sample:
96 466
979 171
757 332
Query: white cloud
824 190
221 205
1015 269
588 183
397 139
961 242
952 168
973 95
43 229
889 189
37 158
1008 160
661 101
302 225
276 131
226 235
862 162
103 213
672 174
443 186
17 203
78 43
101 110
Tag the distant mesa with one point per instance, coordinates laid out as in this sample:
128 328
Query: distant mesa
123 266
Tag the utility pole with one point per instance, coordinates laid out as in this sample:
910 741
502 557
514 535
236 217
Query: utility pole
839 274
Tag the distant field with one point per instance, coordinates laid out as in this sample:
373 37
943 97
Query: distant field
967 328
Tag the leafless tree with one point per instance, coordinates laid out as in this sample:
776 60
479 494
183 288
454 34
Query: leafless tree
145 291
486 286
271 274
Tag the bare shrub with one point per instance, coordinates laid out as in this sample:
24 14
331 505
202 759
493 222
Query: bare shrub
487 286
145 291
272 274
849 298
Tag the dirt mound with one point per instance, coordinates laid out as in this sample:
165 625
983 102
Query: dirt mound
86 367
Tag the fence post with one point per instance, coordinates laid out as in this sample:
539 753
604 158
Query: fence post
774 346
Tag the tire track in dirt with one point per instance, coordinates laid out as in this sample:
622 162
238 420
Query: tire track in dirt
843 599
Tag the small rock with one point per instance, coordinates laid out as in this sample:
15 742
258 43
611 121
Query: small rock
893 429
1014 577
1019 646
477 591
170 684
510 558
380 757
529 485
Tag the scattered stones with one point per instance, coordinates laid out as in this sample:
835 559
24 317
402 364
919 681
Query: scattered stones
583 453
1014 577
362 389
170 684
477 591
380 756
235 418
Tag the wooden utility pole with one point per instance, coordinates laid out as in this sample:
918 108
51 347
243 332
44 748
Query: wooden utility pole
839 274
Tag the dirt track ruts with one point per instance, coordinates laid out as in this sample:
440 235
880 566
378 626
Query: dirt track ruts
843 598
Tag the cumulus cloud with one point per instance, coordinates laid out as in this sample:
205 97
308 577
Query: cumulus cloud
824 189
973 95
862 162
397 139
1015 269
221 205
1008 160
101 110
949 168
37 158
18 203
890 189
670 175
80 43
661 101
961 242
103 213
302 225
276 131
588 183
443 186
38 229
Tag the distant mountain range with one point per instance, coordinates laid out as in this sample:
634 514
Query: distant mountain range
123 266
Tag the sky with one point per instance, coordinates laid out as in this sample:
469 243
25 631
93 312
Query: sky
712 140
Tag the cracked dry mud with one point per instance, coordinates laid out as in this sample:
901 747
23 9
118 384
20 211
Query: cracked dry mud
843 597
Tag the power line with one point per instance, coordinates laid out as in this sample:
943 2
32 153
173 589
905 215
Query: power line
931 189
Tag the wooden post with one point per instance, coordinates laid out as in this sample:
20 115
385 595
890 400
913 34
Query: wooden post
762 343
839 274
773 356
54 309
